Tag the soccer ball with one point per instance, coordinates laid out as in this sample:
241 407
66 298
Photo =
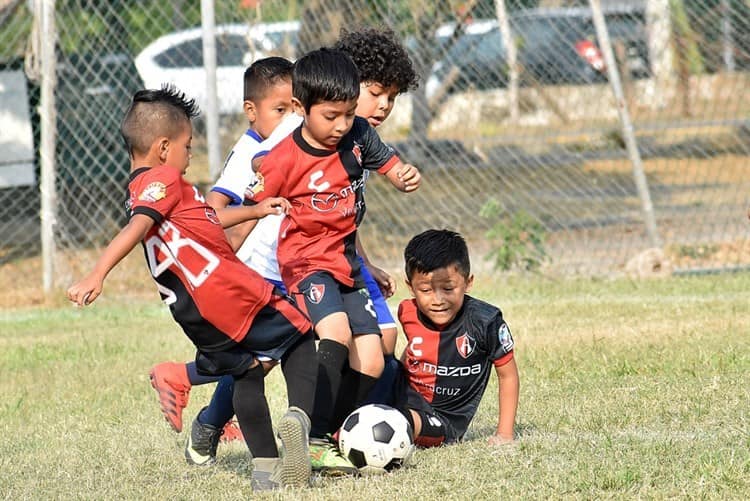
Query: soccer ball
376 438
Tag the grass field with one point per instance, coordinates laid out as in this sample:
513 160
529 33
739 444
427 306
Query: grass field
628 390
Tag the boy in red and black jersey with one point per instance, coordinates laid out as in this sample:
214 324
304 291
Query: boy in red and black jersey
198 275
453 343
321 169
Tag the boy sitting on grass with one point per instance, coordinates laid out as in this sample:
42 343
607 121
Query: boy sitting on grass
453 341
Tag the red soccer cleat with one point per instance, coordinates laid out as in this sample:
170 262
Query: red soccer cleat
232 432
170 380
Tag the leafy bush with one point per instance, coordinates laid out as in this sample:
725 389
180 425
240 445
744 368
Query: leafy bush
517 240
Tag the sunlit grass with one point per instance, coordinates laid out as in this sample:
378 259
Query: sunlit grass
629 389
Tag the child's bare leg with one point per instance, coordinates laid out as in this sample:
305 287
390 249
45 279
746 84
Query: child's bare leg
366 355
417 422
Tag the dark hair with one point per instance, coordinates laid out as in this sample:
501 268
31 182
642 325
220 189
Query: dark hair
324 75
380 57
263 74
433 249
154 113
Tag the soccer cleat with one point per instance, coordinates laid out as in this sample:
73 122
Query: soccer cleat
170 380
327 459
200 449
265 474
295 467
232 432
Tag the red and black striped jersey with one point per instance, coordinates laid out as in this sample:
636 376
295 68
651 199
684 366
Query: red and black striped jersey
325 188
450 367
211 294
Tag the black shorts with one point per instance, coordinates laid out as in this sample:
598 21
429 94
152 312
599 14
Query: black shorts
436 428
323 295
277 327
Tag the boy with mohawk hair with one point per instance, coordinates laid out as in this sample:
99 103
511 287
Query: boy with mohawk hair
197 275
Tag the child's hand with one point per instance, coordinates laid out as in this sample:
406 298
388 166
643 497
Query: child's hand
500 440
86 291
274 205
383 279
410 176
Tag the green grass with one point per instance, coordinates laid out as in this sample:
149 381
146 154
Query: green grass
628 390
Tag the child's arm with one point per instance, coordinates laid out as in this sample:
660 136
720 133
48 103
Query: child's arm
237 234
87 290
230 216
383 278
508 386
404 177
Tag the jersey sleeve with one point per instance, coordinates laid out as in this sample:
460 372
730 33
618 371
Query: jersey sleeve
498 339
237 175
376 155
238 172
158 193
270 179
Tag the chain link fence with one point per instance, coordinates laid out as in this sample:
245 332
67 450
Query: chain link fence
515 125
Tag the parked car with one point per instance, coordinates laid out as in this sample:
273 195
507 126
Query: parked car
91 162
178 58
555 46
478 56
559 46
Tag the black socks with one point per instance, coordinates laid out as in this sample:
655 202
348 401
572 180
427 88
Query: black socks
251 407
331 359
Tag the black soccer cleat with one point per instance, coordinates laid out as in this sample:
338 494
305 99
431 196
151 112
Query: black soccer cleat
200 449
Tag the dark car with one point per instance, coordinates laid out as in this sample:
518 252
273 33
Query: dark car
559 46
555 46
91 163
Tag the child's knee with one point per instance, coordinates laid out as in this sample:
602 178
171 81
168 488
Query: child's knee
429 429
371 366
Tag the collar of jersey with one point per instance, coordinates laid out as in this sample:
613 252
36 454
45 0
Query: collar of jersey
140 170
254 135
307 148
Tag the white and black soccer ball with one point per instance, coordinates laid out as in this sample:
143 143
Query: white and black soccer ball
376 438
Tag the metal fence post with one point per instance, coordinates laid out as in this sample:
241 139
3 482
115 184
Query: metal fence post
641 182
45 9
512 61
208 22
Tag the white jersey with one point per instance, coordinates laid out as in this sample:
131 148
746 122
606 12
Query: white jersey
258 251
286 127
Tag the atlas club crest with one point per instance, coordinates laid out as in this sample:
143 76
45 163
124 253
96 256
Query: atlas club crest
316 292
465 345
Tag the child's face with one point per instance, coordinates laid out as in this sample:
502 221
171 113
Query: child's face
375 102
327 122
440 293
177 151
266 113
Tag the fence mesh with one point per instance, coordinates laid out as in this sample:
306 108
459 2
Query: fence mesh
514 126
